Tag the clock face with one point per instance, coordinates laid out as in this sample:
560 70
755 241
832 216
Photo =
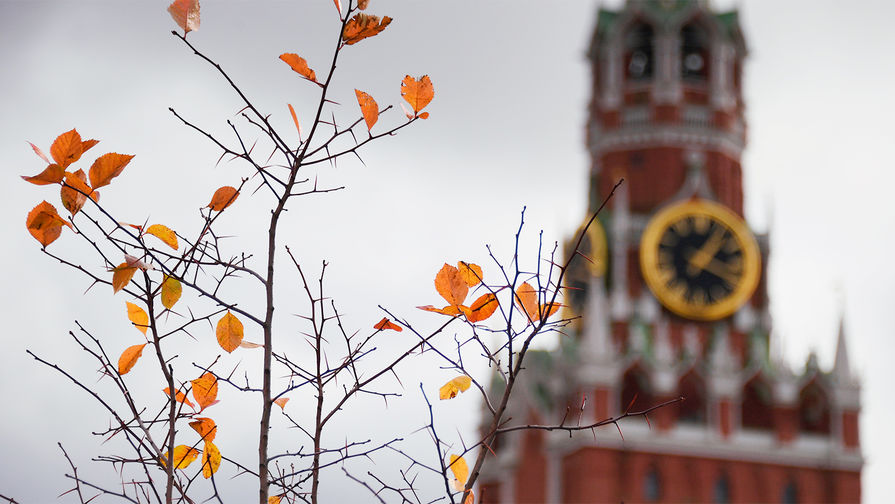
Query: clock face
699 259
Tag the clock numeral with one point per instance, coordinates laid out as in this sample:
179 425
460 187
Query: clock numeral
669 239
730 244
701 224
682 227
735 265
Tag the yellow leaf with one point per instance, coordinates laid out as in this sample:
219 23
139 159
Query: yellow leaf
205 390
129 358
183 456
171 291
417 93
211 460
471 273
229 332
460 469
121 276
450 284
205 427
165 234
299 65
274 499
107 167
281 402
137 316
450 389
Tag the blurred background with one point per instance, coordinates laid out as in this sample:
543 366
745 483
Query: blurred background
506 131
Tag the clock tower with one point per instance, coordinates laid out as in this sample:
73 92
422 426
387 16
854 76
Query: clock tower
673 302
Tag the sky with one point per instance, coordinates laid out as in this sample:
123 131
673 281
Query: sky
506 131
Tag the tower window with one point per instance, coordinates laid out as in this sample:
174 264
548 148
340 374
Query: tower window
814 409
694 53
692 409
635 391
790 494
757 410
639 53
721 491
652 486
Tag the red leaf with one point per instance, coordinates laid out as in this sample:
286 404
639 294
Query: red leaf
386 324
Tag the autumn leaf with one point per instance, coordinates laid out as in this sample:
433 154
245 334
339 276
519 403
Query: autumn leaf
205 390
481 309
461 471
179 397
205 427
275 499
470 498
136 262
39 153
281 402
229 332
295 120
363 4
165 234
450 389
447 310
185 14
211 459
299 65
129 358
368 107
171 291
107 167
75 191
385 324
44 223
121 276
68 148
417 93
137 316
223 197
52 174
249 344
527 300
362 26
183 456
338 8
471 273
450 284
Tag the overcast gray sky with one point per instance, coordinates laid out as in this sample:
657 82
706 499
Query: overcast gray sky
506 131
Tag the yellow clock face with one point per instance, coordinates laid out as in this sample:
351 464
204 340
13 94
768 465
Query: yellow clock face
699 259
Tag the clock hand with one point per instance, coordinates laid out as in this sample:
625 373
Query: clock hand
721 270
706 252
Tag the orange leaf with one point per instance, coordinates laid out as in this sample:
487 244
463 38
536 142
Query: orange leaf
362 26
417 93
470 498
249 344
471 273
299 65
223 197
129 358
183 456
171 291
44 223
121 276
385 323
137 316
179 397
205 390
447 310
75 191
450 284
481 309
165 234
275 499
363 4
229 332
368 107
39 152
527 300
205 427
52 174
107 167
338 8
281 402
450 389
295 120
67 148
185 14
460 469
211 460
425 115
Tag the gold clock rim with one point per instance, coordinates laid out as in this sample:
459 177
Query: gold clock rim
649 245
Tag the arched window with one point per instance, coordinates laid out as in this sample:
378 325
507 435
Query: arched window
635 383
721 490
814 409
790 493
692 388
652 485
757 409
639 61
694 53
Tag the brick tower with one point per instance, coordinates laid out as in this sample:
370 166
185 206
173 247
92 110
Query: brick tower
674 302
